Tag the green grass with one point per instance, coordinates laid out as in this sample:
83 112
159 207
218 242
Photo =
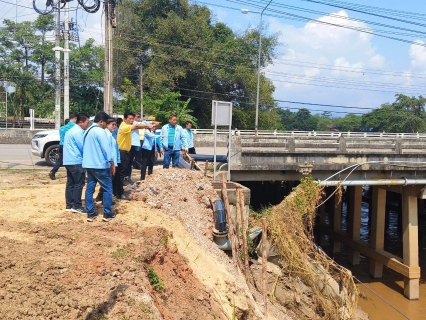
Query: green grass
155 281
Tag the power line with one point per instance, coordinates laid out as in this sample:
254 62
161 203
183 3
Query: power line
366 12
368 31
416 15
295 8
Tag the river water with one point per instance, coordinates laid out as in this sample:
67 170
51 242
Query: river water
384 298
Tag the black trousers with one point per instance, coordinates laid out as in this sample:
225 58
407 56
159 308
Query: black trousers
137 163
132 154
148 159
60 160
122 170
75 183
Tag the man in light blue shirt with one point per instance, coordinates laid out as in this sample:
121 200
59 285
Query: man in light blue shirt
148 152
172 141
73 157
189 137
98 160
62 131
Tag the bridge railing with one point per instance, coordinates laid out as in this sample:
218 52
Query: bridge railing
315 134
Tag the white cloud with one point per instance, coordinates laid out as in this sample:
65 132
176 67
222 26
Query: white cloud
418 55
317 59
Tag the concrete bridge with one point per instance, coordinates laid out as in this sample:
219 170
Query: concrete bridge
288 156
385 162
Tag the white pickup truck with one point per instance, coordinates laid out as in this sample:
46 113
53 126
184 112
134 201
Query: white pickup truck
45 144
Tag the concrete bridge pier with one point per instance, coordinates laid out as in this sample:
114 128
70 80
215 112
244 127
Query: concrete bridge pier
337 220
408 266
354 220
410 240
377 231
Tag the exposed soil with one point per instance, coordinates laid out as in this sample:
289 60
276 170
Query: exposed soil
77 270
55 265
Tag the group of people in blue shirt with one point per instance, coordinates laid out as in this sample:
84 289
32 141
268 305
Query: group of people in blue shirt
103 152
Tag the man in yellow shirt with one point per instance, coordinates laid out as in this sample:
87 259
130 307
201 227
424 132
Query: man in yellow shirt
124 141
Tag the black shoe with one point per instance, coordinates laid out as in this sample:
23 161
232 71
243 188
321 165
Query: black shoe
124 197
108 218
79 210
91 217
68 209
112 203
52 175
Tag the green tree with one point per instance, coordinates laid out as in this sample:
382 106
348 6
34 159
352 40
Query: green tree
185 52
349 122
304 121
42 51
406 114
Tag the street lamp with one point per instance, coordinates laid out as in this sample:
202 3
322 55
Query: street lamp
245 11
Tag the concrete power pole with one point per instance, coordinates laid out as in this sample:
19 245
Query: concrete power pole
66 63
108 81
141 75
58 66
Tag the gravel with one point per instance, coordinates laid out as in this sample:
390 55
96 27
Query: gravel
185 195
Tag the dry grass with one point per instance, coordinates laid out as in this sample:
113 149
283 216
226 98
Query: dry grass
291 227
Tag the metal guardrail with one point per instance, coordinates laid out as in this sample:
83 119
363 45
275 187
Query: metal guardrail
315 134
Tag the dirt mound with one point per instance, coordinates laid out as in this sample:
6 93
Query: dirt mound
182 194
77 270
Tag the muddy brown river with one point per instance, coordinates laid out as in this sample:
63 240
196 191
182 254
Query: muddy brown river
384 298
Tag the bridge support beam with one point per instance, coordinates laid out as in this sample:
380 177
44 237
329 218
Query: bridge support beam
337 220
377 238
354 215
322 214
410 243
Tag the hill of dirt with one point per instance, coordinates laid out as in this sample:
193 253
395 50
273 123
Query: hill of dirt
55 265
156 260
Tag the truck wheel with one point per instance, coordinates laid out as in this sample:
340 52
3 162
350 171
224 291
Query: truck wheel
52 155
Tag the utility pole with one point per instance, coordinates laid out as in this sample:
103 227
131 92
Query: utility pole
108 81
6 87
26 45
57 50
66 62
141 75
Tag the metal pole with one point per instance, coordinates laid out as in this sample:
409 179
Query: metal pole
229 143
215 139
6 86
256 122
106 66
379 182
58 67
108 102
66 63
141 75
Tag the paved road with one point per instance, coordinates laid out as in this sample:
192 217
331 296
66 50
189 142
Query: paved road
19 156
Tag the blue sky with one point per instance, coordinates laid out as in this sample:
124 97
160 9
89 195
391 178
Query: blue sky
315 63
329 65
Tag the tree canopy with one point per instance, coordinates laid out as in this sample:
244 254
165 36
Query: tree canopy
187 60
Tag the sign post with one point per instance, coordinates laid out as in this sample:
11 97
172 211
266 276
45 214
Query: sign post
222 116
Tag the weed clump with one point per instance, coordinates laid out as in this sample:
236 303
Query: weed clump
155 281
291 230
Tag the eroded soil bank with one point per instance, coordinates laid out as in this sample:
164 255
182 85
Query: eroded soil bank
55 265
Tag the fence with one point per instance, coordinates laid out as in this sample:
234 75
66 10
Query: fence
39 124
